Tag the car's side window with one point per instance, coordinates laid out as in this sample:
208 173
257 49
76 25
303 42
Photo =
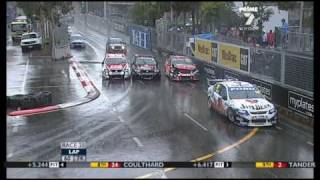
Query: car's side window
223 92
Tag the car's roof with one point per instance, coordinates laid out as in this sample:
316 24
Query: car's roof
236 84
115 56
29 33
177 57
76 35
144 55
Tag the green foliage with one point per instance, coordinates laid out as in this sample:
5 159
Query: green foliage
145 13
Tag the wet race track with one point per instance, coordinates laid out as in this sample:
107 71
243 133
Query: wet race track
136 120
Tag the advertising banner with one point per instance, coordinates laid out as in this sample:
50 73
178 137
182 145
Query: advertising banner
264 87
300 103
203 50
140 37
233 56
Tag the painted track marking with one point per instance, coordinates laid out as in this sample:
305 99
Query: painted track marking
242 140
189 117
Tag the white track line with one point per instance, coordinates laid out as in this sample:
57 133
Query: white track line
278 127
25 77
137 141
310 143
189 117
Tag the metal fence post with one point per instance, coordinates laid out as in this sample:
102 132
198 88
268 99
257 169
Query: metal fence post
283 66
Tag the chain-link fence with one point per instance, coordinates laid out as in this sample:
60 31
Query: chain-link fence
266 63
299 71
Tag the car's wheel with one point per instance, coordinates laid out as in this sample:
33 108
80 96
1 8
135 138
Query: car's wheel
231 115
23 49
38 47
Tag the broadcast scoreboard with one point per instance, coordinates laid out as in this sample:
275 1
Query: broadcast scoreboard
73 155
160 164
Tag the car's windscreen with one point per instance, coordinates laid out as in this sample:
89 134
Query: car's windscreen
182 61
244 93
142 61
115 41
73 38
116 61
28 36
18 27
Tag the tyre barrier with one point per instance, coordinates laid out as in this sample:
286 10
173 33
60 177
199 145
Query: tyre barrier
28 101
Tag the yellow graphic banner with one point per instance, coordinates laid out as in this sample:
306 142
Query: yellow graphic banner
229 56
203 50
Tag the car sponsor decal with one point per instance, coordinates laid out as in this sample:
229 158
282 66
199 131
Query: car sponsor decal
252 101
300 103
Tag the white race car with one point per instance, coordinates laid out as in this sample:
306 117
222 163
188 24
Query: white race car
242 103
116 66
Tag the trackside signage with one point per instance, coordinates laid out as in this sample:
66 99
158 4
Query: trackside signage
300 103
265 88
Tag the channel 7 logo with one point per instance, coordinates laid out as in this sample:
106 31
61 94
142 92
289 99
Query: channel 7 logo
248 12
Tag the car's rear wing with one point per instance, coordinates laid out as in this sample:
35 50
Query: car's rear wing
212 82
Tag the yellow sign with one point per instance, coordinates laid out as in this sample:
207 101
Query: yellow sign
203 50
229 56
104 164
264 165
94 164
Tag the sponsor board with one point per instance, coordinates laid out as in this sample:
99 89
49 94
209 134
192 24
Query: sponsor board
140 37
300 103
234 56
265 88
203 50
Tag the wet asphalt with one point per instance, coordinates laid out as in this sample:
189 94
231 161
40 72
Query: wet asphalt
135 120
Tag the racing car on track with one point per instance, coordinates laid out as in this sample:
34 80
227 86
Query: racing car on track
116 46
145 67
180 68
242 103
116 66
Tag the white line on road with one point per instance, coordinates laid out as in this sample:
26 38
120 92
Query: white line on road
278 127
188 116
25 77
310 143
137 141
121 119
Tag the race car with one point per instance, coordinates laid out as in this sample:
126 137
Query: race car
180 68
116 66
145 67
116 46
242 103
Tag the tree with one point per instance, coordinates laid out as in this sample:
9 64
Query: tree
146 13
49 11
217 14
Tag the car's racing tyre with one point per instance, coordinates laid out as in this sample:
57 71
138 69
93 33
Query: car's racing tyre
38 47
230 115
23 49
46 98
15 101
28 102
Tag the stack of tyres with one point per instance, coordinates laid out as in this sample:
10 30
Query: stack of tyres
15 101
30 101
46 98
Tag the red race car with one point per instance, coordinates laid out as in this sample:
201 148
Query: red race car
180 68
